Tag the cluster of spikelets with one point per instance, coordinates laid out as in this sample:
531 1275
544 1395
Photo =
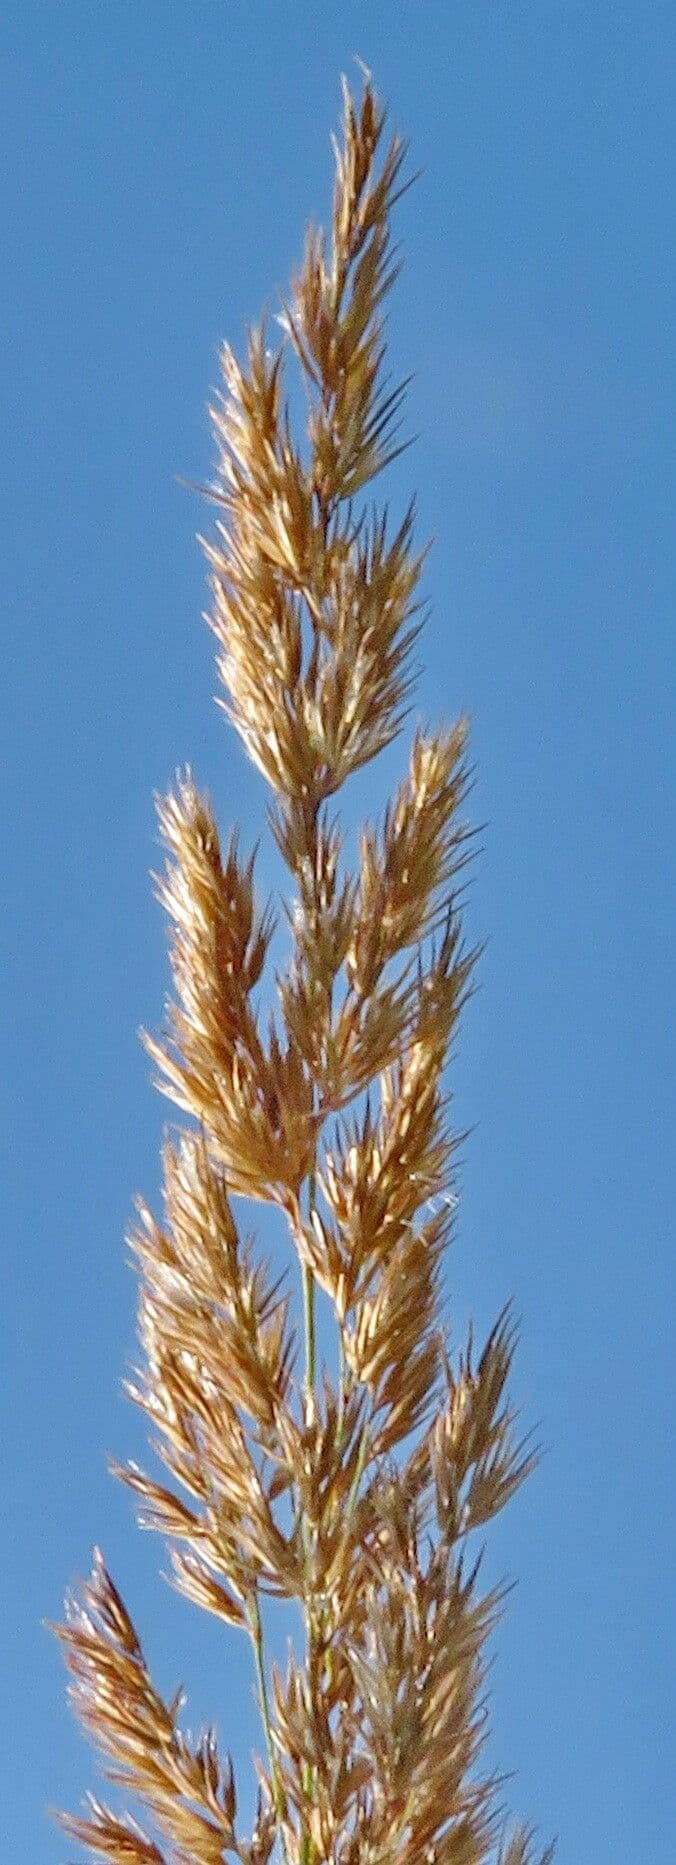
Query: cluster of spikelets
355 1494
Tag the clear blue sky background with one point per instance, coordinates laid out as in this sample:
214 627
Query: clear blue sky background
159 161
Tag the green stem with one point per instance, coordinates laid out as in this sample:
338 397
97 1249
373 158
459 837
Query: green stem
359 1472
256 1630
342 1381
310 1344
306 1846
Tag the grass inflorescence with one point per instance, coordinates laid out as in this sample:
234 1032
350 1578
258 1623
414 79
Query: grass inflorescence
354 1493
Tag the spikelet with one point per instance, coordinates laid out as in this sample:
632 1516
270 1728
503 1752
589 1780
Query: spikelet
358 1494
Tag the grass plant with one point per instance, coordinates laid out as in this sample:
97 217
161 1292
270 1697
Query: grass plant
354 1491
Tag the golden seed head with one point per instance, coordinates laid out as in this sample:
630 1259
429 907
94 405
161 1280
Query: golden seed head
353 1492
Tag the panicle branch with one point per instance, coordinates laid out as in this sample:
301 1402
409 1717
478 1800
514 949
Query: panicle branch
354 1494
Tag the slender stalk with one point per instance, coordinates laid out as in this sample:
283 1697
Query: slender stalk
306 1845
310 1338
256 1630
342 1375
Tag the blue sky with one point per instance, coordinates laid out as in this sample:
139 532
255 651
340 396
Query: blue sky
159 163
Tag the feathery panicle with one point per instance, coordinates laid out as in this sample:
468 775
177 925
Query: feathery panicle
355 1493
